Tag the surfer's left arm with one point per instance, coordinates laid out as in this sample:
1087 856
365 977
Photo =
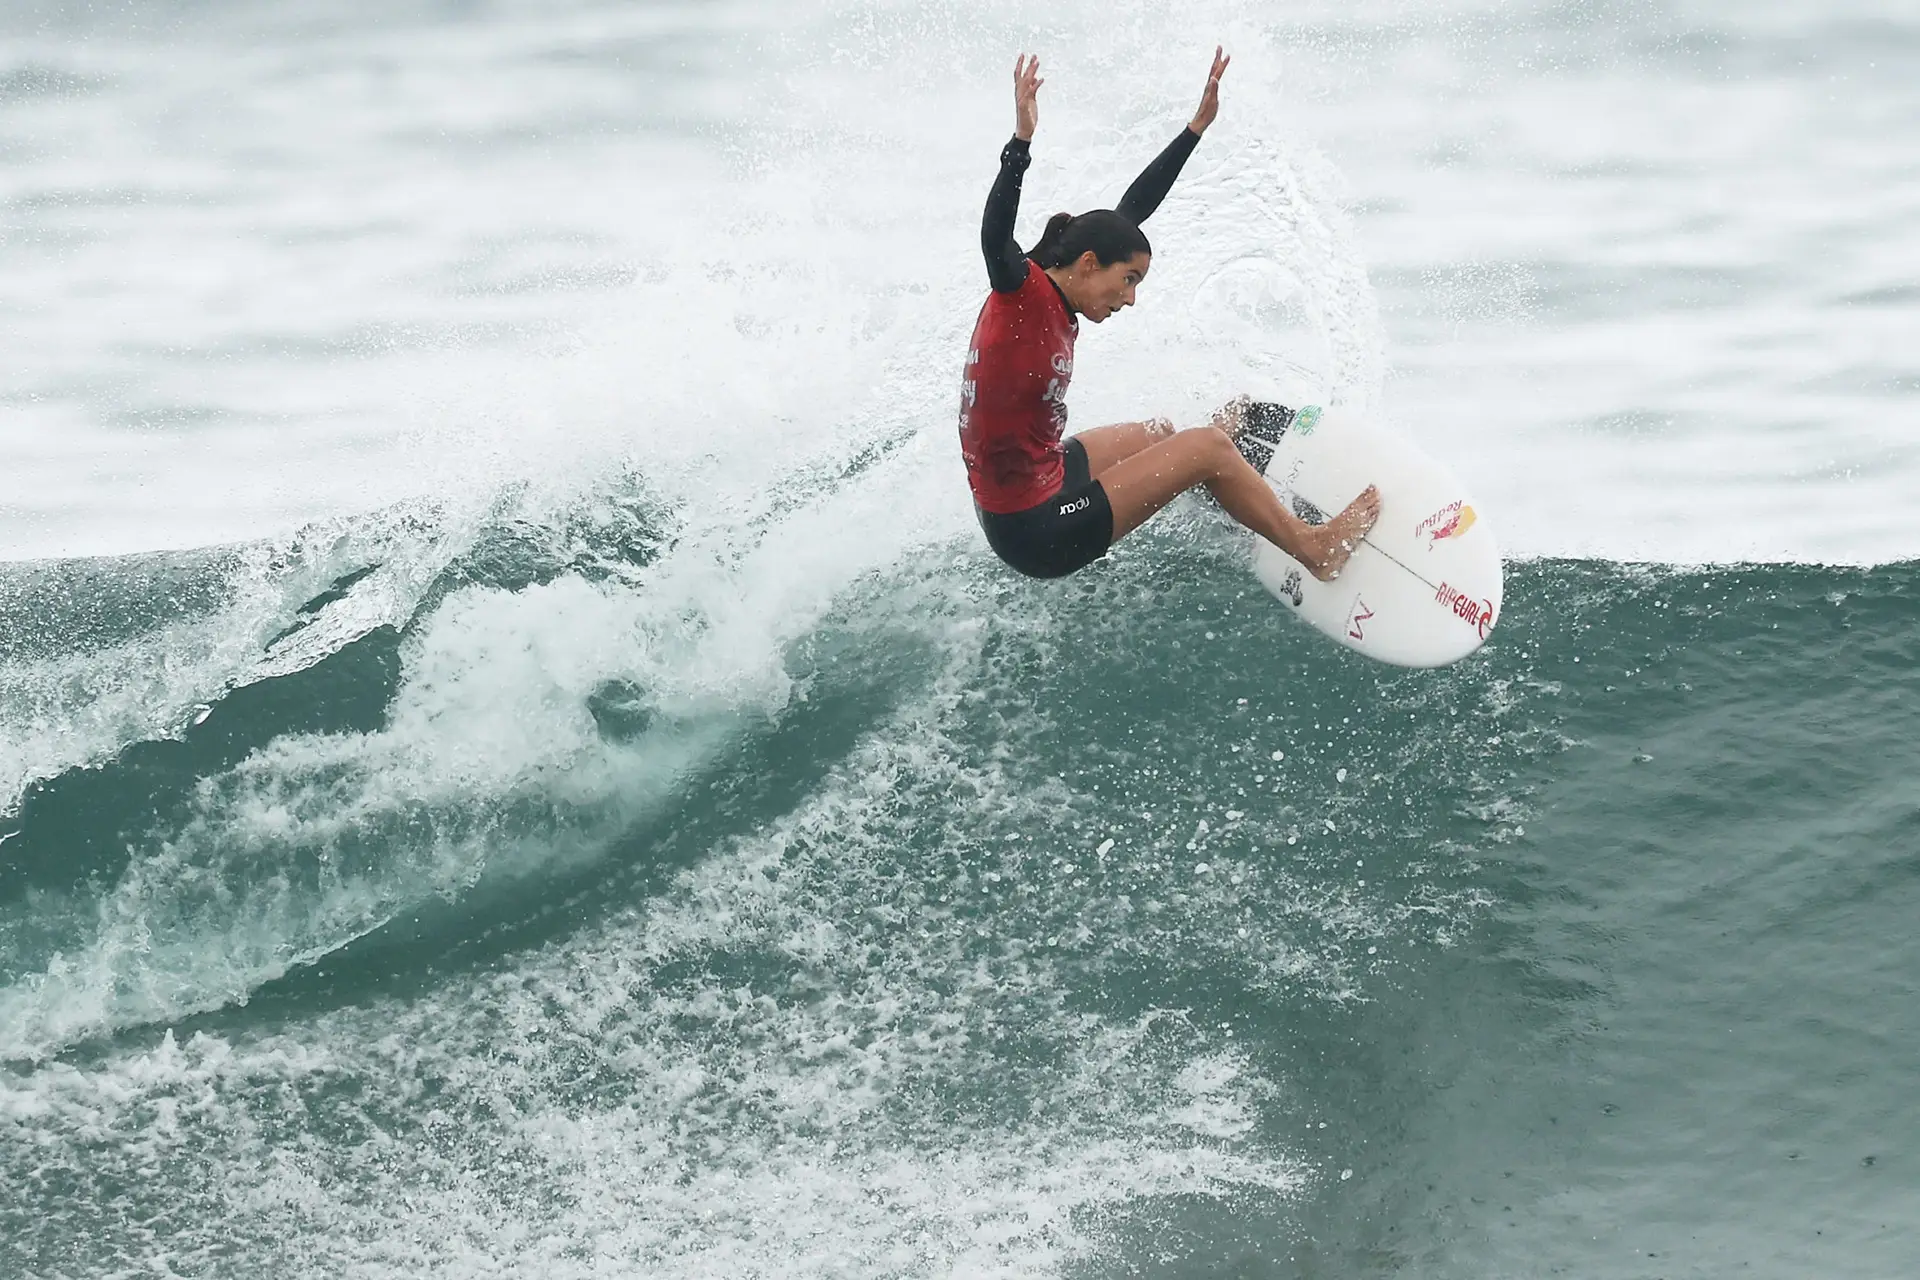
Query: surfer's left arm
1151 187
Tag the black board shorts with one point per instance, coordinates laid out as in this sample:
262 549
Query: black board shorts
1068 531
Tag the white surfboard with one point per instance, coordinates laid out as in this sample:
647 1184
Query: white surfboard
1423 588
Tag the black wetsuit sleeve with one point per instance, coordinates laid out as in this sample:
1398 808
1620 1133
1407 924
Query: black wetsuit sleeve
1006 264
1151 187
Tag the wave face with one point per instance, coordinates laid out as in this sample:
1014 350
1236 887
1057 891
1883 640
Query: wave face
1000 928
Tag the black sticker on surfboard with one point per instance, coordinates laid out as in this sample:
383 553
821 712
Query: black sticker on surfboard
1258 453
1262 423
1265 418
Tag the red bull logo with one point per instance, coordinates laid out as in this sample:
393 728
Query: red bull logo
1475 613
1448 522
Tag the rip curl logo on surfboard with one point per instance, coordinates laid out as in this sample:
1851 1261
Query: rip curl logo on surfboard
1306 420
1475 613
1450 521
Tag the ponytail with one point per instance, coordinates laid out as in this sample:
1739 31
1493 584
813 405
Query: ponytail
1050 239
1110 236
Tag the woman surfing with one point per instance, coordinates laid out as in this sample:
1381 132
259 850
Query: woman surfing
1050 507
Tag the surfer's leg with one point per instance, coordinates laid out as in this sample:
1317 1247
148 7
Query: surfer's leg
1108 445
1140 485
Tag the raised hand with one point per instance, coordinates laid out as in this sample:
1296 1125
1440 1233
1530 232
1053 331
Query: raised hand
1210 99
1026 95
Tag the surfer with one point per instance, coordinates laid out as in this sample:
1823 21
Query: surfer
1048 506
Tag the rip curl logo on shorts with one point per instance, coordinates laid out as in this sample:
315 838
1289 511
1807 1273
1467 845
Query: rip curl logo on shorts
1068 508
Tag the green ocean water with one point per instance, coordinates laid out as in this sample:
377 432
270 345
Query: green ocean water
1116 927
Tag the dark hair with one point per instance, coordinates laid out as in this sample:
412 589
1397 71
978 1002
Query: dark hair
1113 238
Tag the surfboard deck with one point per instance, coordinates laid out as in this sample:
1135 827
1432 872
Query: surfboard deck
1423 589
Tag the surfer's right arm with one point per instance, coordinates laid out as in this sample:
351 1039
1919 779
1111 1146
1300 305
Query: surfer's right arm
1006 263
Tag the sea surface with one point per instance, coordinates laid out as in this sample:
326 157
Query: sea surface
515 759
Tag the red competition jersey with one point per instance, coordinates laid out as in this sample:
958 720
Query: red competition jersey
1013 405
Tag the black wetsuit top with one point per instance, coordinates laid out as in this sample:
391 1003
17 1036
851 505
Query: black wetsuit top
1007 262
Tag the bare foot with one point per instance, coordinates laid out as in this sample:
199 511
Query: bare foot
1339 536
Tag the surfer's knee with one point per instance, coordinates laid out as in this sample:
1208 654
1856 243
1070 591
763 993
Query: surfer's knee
1213 446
